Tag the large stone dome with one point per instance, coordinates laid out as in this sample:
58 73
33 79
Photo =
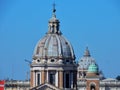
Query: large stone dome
53 45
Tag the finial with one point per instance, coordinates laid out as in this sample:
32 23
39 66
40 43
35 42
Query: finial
87 48
54 7
87 53
54 10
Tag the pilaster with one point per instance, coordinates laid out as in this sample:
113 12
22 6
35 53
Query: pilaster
43 76
32 79
60 79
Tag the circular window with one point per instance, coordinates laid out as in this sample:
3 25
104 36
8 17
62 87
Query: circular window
52 60
38 60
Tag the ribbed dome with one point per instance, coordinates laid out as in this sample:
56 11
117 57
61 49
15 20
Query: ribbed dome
53 45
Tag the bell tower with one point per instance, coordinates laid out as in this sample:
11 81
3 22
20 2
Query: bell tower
92 78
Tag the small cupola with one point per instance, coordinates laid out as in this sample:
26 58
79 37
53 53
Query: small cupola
93 68
54 23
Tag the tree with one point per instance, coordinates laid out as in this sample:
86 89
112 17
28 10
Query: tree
118 77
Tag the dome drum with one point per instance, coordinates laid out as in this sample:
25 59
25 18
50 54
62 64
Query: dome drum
53 61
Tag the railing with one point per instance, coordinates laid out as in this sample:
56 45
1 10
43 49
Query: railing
110 83
81 83
102 83
17 83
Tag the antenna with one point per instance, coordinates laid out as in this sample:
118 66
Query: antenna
28 61
27 73
12 72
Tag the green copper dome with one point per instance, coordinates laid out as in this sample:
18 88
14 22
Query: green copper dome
93 68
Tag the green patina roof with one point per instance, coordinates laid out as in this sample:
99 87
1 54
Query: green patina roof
93 68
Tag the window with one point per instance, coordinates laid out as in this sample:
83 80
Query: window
92 87
67 81
67 60
38 60
38 79
52 78
66 43
52 60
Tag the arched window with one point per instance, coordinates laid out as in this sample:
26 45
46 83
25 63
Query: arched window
52 60
92 87
52 78
67 80
53 27
38 79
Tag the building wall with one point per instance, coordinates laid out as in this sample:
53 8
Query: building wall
110 85
104 85
17 85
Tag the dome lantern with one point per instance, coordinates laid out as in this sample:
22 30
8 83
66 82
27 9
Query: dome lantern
54 45
54 23
87 52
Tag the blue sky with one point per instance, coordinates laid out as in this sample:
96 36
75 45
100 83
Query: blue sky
92 23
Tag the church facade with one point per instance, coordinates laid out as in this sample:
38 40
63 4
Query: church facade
54 67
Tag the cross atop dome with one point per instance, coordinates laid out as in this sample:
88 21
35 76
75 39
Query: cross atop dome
54 10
